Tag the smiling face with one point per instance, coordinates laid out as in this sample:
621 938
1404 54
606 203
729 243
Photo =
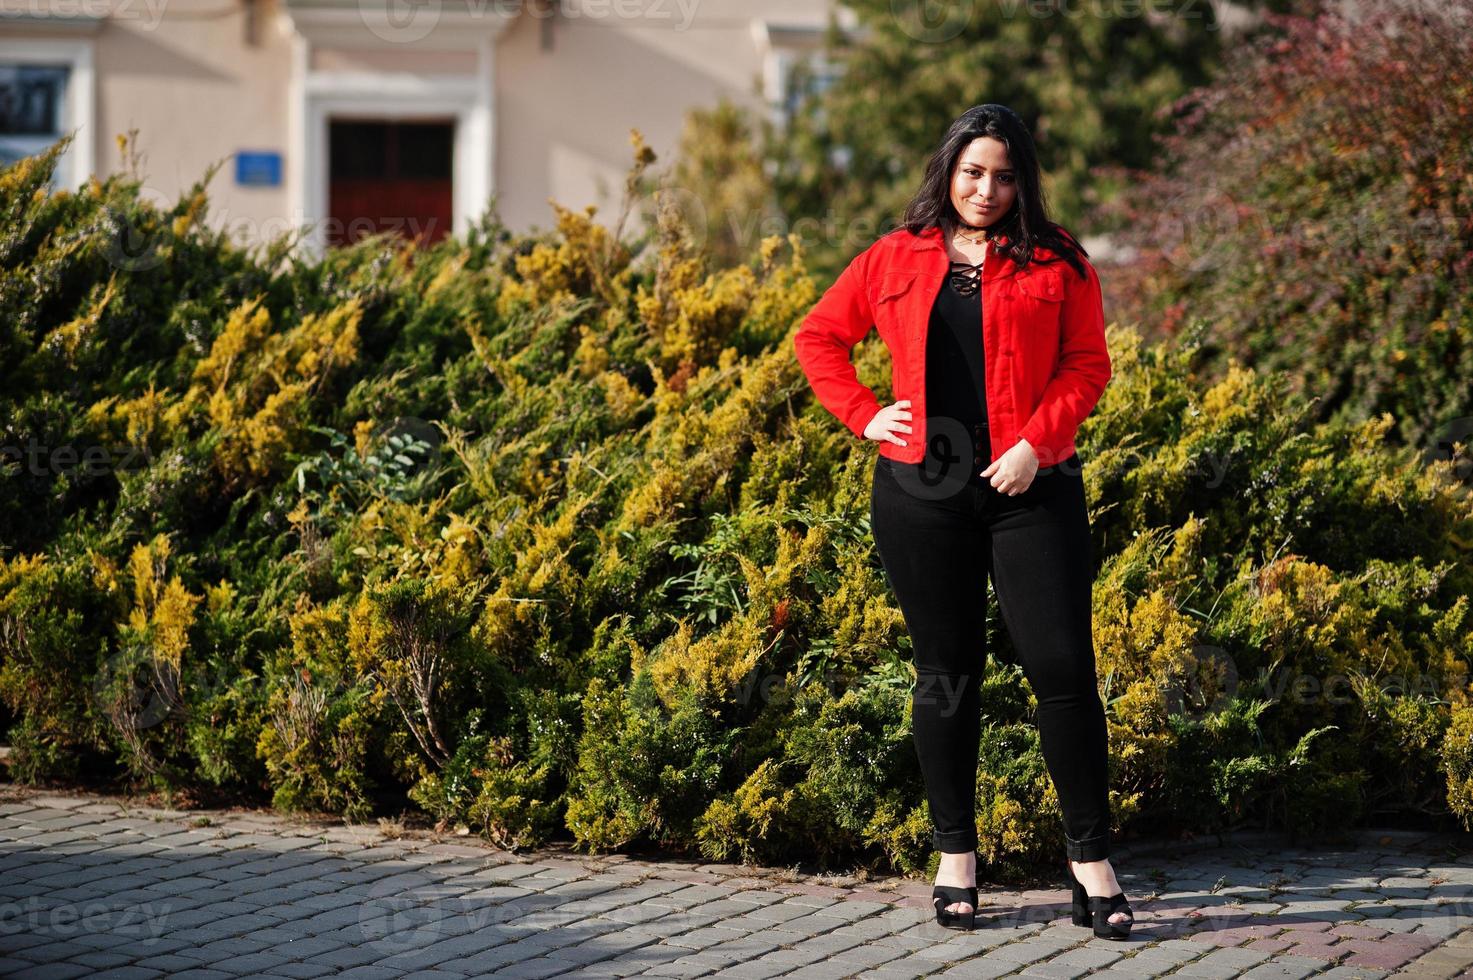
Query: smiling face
983 185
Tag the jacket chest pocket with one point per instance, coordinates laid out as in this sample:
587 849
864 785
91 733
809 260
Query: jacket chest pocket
891 304
1040 299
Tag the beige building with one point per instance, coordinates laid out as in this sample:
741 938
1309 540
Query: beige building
349 116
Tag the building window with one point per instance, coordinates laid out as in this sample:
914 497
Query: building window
45 94
33 110
805 76
798 63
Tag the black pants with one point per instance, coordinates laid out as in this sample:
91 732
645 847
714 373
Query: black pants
939 541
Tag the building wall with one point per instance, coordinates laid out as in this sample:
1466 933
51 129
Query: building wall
196 93
565 114
188 76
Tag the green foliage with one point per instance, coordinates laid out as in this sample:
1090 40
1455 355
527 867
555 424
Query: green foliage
1457 762
323 727
343 482
484 786
642 773
51 612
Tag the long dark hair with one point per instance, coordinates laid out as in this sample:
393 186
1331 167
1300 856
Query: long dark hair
1026 224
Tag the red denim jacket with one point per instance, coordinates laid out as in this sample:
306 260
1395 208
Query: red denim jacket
1043 343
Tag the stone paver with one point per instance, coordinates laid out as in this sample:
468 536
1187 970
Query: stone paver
97 886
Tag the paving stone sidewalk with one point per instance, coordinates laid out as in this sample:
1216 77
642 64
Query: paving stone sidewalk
96 886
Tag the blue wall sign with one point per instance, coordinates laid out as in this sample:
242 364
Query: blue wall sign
258 168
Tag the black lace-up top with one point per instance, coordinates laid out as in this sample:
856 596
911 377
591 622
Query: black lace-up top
956 397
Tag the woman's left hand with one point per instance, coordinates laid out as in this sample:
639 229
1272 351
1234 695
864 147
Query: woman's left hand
1013 471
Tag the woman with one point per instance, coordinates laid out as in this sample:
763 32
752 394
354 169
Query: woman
995 325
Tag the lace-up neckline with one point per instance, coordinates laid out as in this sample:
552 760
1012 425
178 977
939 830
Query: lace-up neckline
966 277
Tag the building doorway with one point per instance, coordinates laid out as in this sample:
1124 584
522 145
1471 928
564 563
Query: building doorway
390 175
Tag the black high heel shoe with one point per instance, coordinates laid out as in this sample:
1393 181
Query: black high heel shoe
1095 910
944 895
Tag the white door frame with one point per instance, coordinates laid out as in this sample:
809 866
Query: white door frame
316 97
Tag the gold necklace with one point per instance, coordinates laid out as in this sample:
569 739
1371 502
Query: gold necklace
971 241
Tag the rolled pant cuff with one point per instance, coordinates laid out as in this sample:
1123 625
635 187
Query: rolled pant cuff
1089 849
960 842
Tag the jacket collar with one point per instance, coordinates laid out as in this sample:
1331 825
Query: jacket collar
929 241
931 238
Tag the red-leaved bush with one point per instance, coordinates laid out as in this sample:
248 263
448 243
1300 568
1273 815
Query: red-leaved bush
1315 214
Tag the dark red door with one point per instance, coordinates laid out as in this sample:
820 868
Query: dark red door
389 176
